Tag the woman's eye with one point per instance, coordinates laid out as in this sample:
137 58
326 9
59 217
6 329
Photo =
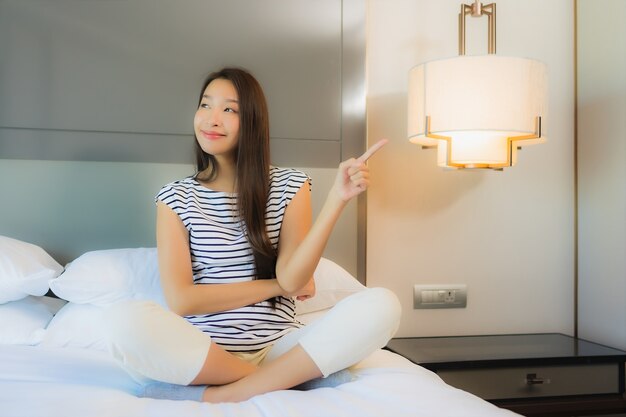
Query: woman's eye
230 110
204 105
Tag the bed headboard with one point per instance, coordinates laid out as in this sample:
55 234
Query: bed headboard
97 98
70 208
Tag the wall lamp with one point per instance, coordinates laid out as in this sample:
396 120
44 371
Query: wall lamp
477 110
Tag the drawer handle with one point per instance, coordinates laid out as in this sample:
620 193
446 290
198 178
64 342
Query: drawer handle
533 379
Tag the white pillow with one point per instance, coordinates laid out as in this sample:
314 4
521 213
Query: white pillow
23 322
332 284
104 277
79 325
76 325
25 269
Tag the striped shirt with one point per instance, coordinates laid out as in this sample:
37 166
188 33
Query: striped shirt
221 253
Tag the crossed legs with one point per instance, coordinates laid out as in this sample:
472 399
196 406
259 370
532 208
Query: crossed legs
162 346
349 332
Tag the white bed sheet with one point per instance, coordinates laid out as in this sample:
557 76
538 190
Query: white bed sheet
65 382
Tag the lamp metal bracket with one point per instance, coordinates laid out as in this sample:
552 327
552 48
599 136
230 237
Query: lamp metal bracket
478 10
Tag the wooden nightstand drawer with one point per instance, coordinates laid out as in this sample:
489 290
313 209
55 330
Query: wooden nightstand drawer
532 382
512 371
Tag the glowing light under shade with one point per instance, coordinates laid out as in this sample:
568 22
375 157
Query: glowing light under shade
481 108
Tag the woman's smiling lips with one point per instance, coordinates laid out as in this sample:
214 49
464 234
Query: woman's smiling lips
212 135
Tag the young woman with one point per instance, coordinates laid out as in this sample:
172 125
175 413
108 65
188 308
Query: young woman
236 245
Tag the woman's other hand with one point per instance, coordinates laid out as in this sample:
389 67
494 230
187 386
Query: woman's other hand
353 174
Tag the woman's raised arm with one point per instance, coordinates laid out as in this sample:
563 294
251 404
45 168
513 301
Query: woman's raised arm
300 246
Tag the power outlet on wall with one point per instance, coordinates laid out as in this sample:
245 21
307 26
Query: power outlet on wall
440 296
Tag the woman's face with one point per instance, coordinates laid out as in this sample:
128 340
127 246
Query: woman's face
216 122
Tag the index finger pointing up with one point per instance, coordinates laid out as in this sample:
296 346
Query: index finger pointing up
371 151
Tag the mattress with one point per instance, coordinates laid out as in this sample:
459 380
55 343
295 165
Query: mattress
44 381
54 360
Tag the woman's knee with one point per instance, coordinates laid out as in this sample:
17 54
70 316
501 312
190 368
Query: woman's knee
382 309
353 329
154 342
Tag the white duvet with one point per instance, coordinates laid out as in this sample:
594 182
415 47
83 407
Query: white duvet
38 381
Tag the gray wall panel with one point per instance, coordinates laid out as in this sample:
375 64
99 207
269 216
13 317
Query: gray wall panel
135 66
97 100
77 145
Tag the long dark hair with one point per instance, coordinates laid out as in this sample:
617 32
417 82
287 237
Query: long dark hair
253 163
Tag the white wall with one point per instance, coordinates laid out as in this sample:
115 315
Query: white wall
508 235
602 170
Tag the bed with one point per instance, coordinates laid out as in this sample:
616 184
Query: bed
54 361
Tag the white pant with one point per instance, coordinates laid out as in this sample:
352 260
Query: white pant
160 345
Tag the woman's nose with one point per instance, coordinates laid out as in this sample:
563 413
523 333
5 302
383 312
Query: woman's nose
213 118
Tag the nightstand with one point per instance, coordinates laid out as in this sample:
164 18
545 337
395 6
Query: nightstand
532 374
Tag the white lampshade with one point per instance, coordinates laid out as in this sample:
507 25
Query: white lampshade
477 109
